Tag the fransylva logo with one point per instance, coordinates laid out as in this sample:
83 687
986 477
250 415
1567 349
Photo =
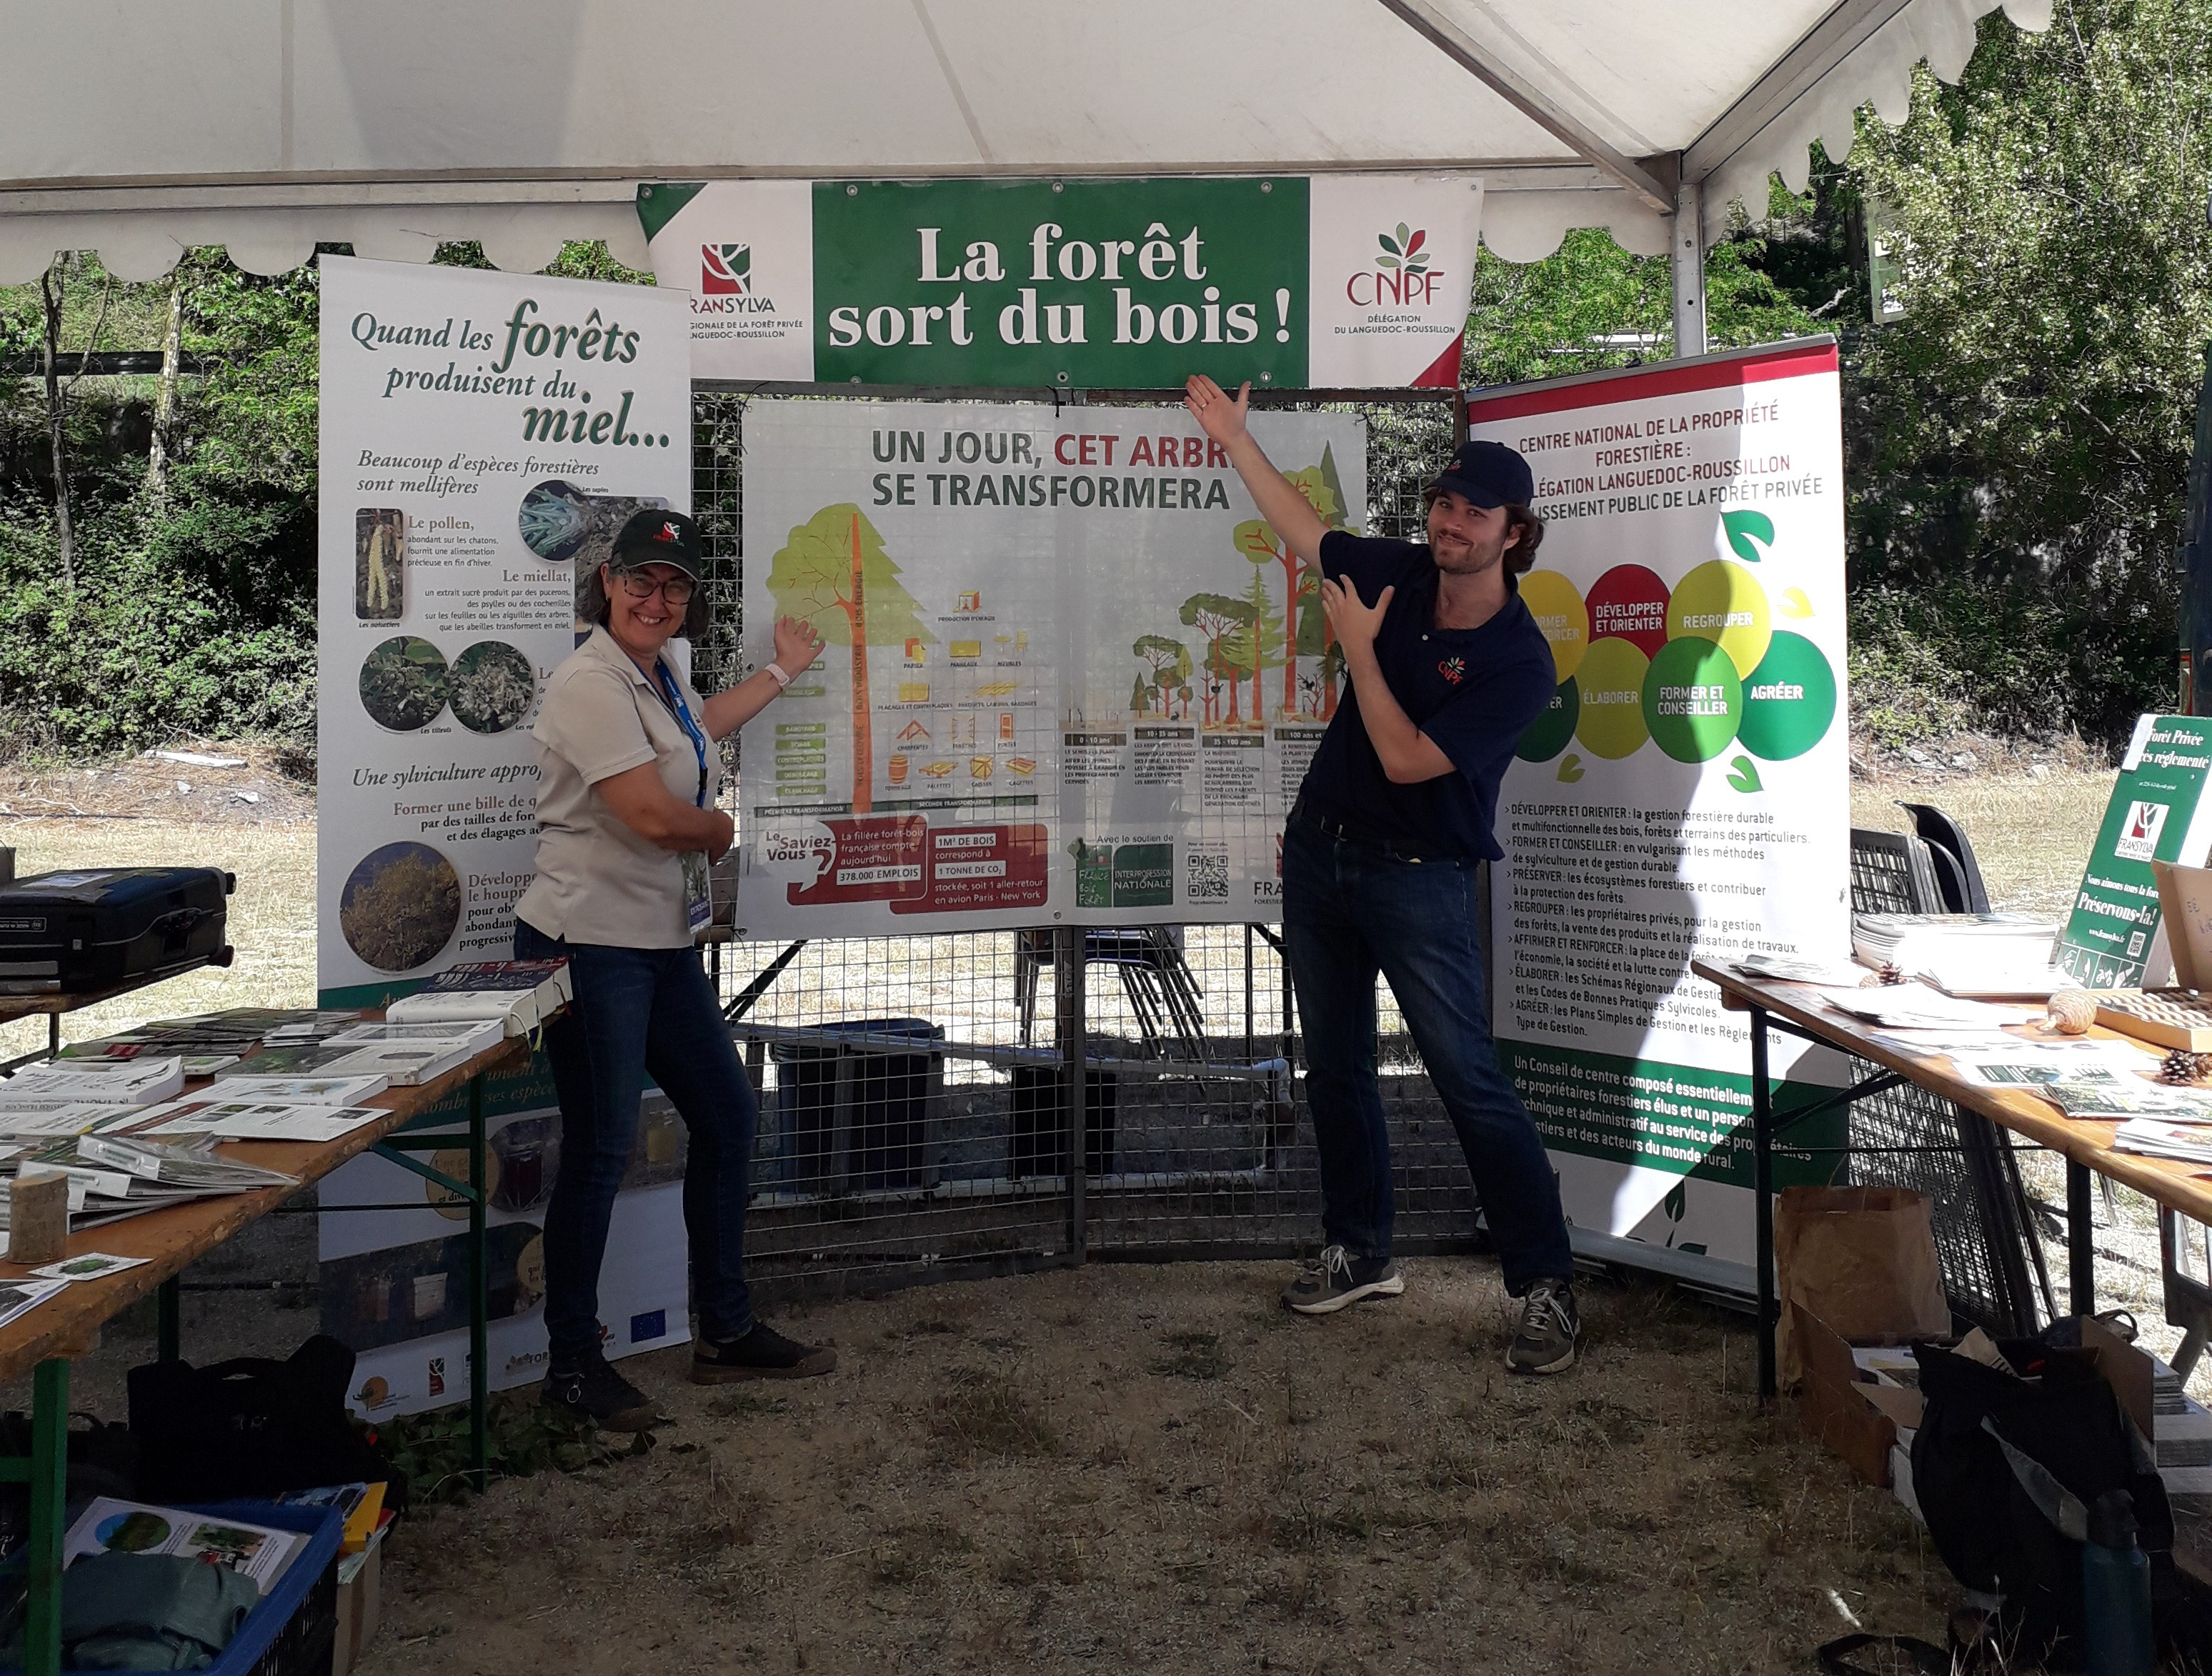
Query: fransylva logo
726 270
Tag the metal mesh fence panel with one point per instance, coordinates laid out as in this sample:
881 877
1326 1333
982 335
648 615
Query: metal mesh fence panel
919 1094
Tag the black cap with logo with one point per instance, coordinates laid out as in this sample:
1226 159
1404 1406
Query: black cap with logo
1489 474
655 536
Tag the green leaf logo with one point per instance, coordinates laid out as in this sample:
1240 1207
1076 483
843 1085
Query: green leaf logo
1570 768
1746 531
1746 777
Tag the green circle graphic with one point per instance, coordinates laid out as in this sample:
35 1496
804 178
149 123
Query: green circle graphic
1788 701
1692 700
1612 682
1548 734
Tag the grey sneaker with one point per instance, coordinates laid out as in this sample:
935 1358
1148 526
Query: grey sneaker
1326 1284
1545 1344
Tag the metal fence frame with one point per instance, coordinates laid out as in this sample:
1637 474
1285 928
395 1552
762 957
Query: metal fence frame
1159 1118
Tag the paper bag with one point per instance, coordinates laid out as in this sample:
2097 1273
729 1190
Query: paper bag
1863 1259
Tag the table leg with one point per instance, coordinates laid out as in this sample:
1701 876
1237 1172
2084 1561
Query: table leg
479 1298
169 1320
2081 1242
42 1629
1762 1194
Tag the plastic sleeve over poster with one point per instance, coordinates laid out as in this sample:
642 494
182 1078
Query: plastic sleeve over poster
1686 796
1069 673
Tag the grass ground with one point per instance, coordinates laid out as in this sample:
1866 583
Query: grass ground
1150 1466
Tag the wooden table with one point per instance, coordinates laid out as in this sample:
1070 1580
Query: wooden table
2179 1189
55 1003
67 1325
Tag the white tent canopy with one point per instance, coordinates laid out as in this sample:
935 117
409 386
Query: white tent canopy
138 128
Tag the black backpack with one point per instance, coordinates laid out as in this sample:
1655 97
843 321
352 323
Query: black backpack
2005 1469
252 1427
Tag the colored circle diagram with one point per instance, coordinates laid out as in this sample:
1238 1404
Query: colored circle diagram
1697 669
1788 701
1552 600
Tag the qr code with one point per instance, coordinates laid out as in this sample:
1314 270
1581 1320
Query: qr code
1205 875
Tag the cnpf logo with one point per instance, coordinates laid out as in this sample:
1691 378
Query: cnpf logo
726 270
1402 273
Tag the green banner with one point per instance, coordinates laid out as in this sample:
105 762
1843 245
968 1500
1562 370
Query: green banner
1097 282
1676 1118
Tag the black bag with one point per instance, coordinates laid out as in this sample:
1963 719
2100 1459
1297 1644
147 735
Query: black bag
2005 1468
252 1427
73 932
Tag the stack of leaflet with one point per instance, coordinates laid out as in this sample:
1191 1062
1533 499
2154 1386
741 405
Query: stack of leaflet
108 1082
1915 1007
2162 1137
519 994
209 1042
254 1120
1989 956
400 1063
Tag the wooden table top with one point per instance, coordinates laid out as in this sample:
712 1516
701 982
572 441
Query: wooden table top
13 1007
68 1323
2185 1187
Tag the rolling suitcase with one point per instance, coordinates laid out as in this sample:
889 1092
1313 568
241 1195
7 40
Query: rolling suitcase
95 927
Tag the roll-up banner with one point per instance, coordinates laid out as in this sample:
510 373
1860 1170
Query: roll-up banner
1289 281
483 436
1688 794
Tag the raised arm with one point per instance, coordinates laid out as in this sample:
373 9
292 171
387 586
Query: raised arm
1222 417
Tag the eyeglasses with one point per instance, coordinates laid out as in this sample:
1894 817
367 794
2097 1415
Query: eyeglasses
677 589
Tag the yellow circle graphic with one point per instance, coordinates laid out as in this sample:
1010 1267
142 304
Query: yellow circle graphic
1723 603
1559 613
1611 685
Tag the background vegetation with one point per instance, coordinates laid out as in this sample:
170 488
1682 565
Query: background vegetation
2015 445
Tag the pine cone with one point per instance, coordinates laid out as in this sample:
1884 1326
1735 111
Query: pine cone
2183 1066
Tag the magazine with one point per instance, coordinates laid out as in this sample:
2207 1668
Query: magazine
109 1525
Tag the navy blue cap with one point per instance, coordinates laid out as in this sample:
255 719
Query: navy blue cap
653 537
1489 474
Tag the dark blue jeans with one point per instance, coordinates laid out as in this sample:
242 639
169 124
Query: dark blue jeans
1349 911
640 1013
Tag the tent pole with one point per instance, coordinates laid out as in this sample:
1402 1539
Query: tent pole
1689 265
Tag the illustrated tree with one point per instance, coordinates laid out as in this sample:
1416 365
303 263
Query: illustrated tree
1257 540
1254 645
832 572
1216 615
1163 657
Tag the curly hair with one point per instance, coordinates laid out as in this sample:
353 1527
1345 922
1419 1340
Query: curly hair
592 607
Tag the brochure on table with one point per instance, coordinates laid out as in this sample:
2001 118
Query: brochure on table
484 437
1688 794
2115 935
1070 672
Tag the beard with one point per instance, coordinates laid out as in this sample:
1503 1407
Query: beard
1457 557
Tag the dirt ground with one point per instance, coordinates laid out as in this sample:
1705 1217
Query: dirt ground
1153 1466
1157 1469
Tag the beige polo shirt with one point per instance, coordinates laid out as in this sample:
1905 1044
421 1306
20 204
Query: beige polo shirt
597 881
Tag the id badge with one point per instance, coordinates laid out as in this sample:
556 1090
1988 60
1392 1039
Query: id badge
698 891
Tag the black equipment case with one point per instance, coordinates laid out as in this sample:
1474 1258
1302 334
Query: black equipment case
94 928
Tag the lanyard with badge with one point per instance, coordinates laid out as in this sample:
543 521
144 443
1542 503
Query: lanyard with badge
698 888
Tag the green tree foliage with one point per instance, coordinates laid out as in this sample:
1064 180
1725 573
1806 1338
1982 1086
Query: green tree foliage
2017 442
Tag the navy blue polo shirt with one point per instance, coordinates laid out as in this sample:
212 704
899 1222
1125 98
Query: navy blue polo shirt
1472 691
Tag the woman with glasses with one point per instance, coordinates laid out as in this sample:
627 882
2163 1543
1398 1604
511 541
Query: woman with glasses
626 827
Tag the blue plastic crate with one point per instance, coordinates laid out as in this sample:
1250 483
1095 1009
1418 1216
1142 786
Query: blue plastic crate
289 1632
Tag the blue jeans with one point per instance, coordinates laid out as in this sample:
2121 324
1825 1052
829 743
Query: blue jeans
1349 911
640 1012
